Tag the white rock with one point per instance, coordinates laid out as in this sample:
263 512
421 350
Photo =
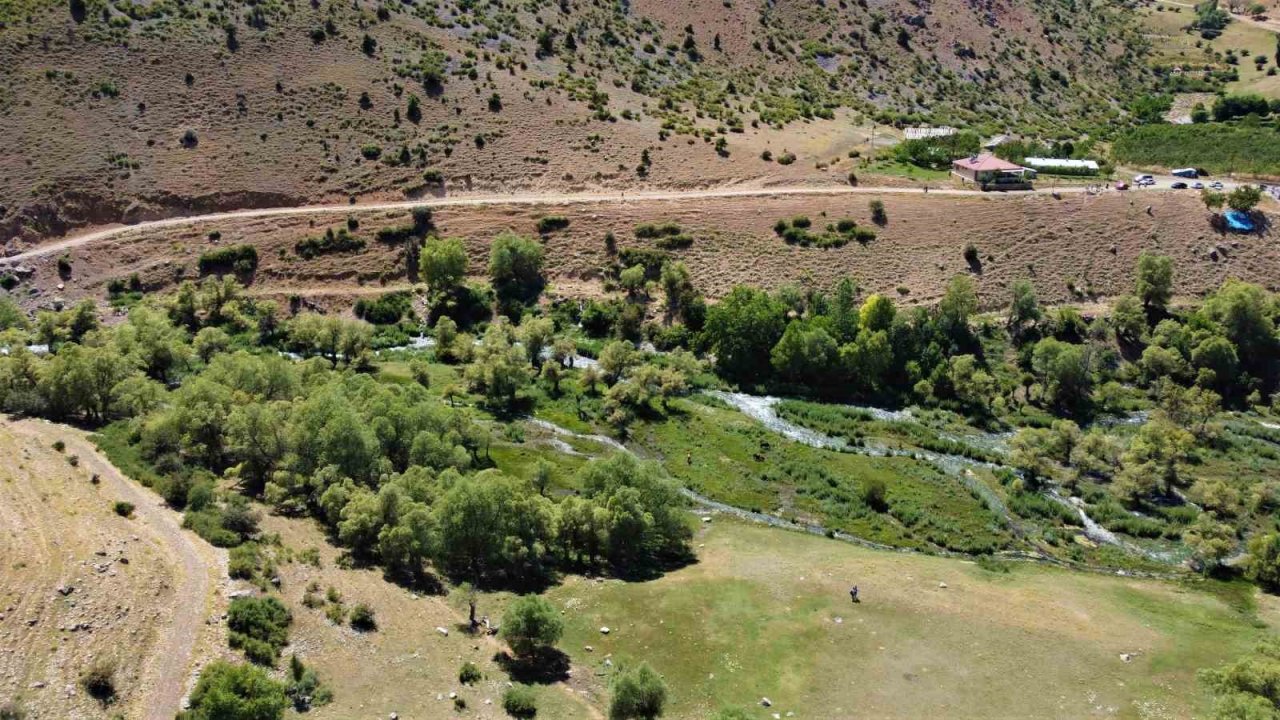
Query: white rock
443 631
766 701
604 630
942 585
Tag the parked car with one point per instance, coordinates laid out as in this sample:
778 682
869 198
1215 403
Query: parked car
1197 186
1179 186
1215 185
1122 185
1143 179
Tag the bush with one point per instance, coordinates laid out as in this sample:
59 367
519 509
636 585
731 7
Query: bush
1216 147
123 509
242 562
469 674
330 242
520 701
99 680
385 310
362 618
235 691
11 710
259 627
240 259
878 215
552 223
638 694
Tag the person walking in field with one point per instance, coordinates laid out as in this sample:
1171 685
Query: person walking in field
853 594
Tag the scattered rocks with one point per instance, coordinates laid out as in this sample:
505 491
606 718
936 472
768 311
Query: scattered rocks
65 590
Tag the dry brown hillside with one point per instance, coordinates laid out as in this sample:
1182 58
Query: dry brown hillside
1074 249
115 110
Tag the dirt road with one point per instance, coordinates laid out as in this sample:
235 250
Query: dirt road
83 239
197 569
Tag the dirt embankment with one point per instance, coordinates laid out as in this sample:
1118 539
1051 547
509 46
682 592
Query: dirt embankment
83 584
1076 248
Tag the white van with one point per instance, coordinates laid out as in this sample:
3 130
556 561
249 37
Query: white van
1143 179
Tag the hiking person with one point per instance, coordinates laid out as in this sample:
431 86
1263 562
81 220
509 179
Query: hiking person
853 594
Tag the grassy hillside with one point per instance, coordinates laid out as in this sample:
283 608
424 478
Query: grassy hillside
162 106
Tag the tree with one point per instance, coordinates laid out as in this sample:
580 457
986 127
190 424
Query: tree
1263 563
1244 198
499 368
1065 371
1155 283
677 286
1213 201
742 330
1210 541
515 268
632 280
443 265
1150 464
638 694
877 314
531 625
235 692
493 527
805 354
535 334
1128 318
1024 310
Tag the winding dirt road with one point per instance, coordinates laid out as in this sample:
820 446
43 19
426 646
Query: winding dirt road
91 237
197 567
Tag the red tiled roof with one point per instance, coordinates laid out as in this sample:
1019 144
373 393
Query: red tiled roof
986 161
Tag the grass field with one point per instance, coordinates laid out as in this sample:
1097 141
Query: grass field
1216 147
766 613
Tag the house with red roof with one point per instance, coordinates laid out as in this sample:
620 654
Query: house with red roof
989 172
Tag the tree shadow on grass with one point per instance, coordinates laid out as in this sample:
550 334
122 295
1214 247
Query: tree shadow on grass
543 667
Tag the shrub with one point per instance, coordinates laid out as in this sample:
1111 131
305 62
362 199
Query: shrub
675 242
241 259
971 254
371 152
552 223
64 265
878 215
638 694
242 562
520 701
651 230
99 680
189 139
469 674
235 691
123 509
330 242
11 710
59 445
9 281
385 310
362 618
259 627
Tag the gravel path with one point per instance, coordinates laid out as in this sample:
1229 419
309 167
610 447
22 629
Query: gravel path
198 570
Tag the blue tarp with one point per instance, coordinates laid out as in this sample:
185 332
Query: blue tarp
1239 221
